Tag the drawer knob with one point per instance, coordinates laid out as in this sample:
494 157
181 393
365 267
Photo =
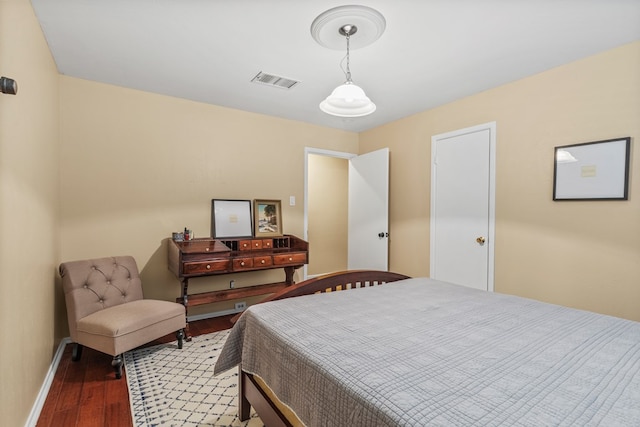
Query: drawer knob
290 259
208 267
242 263
257 244
206 249
262 261
244 246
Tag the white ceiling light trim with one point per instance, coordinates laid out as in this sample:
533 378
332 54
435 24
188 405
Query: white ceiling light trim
340 24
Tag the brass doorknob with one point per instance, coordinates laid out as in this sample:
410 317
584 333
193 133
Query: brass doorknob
480 240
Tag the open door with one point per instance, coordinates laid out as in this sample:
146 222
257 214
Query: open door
368 245
366 180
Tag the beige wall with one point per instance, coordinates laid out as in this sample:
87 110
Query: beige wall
136 166
328 188
28 210
95 170
580 254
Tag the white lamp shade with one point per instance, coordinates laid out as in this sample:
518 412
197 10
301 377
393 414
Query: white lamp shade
348 100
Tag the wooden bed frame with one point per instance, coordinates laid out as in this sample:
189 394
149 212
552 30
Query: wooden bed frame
250 391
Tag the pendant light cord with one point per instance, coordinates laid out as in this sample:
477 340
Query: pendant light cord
348 68
347 72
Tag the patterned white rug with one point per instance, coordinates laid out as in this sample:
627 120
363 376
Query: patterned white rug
173 387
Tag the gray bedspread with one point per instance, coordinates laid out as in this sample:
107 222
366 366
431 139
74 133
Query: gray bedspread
419 352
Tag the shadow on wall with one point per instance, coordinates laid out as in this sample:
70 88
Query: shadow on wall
158 282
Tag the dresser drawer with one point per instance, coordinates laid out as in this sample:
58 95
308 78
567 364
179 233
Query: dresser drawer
242 263
262 261
244 245
292 258
252 263
203 267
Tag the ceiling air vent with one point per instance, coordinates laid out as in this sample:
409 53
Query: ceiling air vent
276 81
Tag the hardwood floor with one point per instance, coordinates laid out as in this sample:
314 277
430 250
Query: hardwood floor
86 393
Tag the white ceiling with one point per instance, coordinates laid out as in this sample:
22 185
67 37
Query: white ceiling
431 53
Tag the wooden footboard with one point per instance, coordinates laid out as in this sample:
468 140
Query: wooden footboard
250 392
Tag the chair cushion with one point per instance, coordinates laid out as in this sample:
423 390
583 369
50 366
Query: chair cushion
124 327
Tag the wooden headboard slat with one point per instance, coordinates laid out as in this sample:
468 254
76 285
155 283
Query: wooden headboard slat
344 280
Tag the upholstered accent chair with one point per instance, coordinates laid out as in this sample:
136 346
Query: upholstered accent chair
107 312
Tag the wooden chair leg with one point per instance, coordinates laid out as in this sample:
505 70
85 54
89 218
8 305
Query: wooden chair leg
180 336
117 363
76 354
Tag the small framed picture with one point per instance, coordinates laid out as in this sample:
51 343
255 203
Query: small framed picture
231 218
268 218
592 171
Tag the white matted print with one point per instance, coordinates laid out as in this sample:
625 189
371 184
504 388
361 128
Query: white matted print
592 171
231 218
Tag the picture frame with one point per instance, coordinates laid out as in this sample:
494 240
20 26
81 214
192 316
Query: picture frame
596 170
231 218
267 218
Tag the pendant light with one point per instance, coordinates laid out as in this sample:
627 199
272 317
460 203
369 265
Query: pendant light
348 99
330 29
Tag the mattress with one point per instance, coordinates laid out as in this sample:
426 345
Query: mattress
424 352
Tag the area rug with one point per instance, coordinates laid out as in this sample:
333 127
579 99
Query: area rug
173 387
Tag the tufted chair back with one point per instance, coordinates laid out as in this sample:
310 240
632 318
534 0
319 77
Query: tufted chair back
93 285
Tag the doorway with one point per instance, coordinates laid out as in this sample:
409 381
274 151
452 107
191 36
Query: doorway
463 206
326 215
338 187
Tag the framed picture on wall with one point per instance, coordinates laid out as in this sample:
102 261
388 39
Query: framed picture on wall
592 171
231 218
267 218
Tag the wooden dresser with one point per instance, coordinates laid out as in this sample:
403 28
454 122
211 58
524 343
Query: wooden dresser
206 257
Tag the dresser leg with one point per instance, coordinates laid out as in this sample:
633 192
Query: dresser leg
185 302
288 271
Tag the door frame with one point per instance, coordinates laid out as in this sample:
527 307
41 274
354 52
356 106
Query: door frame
491 127
321 152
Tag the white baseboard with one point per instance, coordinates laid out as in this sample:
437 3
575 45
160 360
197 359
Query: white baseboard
46 385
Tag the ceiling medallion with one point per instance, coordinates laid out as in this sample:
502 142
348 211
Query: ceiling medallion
370 23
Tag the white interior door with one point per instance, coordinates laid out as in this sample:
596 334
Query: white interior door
368 246
463 206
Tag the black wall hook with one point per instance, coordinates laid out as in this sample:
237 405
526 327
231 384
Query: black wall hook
8 85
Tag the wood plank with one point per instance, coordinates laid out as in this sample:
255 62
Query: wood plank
92 401
47 413
66 418
118 414
73 379
117 411
236 293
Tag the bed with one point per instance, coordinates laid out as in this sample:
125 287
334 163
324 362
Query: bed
417 351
